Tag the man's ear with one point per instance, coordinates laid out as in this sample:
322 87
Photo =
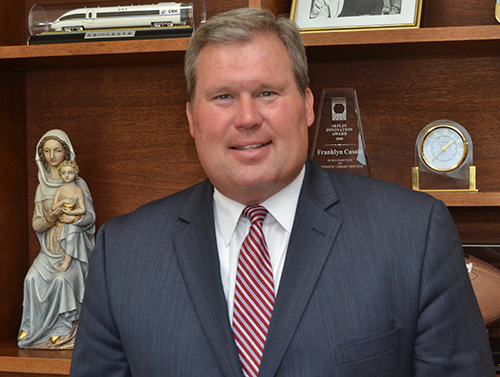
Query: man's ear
309 100
189 115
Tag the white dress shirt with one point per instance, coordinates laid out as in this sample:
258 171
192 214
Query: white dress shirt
231 229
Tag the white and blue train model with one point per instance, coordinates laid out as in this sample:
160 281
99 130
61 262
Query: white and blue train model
153 15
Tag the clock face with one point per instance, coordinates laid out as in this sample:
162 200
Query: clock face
443 148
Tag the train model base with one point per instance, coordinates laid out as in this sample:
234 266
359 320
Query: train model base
100 35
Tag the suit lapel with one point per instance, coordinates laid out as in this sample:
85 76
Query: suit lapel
196 250
311 242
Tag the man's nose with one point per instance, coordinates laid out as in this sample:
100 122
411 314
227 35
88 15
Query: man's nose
247 113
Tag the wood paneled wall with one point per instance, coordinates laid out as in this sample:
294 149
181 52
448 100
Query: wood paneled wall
13 243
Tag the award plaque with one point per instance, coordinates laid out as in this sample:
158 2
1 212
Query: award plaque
443 153
339 143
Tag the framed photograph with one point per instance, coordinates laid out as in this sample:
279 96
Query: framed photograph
325 15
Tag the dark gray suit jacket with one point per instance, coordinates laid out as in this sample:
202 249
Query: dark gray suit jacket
374 284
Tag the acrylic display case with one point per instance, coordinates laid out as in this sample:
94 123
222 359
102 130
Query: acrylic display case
52 23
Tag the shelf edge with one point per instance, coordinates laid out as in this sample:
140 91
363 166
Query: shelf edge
469 199
398 36
13 55
16 364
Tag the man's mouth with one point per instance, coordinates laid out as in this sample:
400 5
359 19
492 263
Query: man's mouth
251 146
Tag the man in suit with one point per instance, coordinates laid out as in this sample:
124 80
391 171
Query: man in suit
368 278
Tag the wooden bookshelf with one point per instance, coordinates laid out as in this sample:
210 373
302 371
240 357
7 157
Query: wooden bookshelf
123 102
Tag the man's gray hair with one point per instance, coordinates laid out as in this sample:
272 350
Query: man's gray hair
242 25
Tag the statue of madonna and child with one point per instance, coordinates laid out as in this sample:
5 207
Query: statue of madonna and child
64 222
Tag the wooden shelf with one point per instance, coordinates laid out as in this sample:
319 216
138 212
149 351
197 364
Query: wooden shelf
402 36
469 199
38 362
86 54
370 44
467 39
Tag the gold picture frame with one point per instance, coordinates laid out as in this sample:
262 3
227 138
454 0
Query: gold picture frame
497 10
335 15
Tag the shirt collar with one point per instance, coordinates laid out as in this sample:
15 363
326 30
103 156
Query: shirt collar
281 206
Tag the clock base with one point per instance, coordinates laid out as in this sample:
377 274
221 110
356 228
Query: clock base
438 185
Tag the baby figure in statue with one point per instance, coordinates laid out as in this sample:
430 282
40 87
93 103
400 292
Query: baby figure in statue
63 220
69 197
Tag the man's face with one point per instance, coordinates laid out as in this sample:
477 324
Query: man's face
249 120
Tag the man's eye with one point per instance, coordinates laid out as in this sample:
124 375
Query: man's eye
267 94
222 96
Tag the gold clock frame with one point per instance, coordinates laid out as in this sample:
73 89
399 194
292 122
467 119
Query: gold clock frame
462 136
497 10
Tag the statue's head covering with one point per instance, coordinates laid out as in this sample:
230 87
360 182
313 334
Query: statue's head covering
47 187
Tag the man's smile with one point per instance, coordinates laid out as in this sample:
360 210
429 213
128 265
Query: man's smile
250 146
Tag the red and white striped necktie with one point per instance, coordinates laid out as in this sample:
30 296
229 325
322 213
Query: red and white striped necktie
254 294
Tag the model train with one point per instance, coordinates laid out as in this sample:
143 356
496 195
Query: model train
155 15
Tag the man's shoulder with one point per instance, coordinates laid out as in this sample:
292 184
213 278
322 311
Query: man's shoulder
159 212
381 204
368 189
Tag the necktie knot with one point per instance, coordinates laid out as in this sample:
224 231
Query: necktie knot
255 213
